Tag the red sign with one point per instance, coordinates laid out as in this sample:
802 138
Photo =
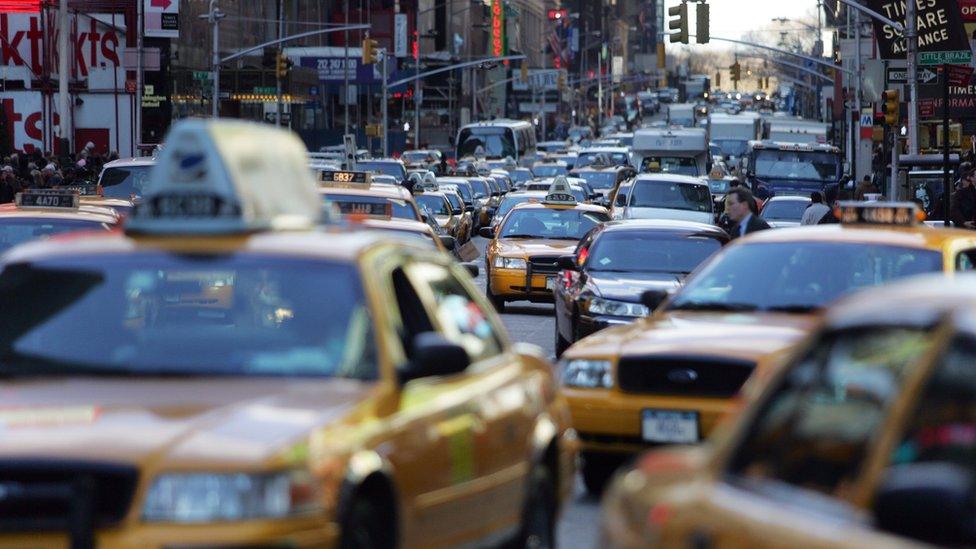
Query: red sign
497 28
20 6
959 75
561 14
130 86
968 8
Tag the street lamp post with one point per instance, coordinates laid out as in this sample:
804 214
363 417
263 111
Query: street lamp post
214 15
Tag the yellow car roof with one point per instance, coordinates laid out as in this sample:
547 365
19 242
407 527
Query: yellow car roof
381 190
916 236
84 212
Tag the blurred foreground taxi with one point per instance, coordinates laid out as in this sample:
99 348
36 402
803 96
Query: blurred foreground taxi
226 374
671 377
521 260
865 437
378 205
43 213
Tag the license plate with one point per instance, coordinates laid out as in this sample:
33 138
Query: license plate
669 426
550 283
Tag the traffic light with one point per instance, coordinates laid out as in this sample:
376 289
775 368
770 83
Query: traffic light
369 51
524 72
889 106
701 30
282 65
680 23
735 71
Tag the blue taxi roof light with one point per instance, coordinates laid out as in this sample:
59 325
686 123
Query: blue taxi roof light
226 177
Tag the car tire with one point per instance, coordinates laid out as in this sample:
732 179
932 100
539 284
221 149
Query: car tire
597 470
538 528
560 342
497 301
368 524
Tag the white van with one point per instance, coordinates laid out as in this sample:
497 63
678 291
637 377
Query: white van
662 196
671 150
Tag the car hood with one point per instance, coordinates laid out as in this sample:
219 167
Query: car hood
169 423
748 336
629 286
667 213
536 246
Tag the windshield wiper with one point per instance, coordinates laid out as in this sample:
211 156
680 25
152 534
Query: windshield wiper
794 308
522 236
713 306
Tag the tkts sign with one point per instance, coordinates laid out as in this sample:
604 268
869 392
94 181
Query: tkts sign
94 44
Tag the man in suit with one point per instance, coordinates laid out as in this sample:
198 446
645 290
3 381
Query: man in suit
737 206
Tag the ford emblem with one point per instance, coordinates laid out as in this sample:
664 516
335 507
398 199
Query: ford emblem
682 375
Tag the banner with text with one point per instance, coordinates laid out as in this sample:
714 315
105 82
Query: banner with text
940 27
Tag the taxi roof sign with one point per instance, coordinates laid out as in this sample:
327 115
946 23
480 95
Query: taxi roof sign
340 178
222 177
560 193
904 214
60 199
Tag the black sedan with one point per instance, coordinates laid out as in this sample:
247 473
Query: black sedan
622 269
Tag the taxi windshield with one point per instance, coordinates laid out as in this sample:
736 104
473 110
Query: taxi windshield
434 203
156 314
632 251
680 165
549 170
798 277
15 231
599 180
124 181
550 223
671 195
373 205
520 175
394 169
510 202
784 210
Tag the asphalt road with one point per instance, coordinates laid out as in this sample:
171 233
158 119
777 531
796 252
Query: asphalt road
533 323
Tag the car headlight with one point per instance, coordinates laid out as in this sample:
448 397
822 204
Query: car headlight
600 306
210 497
590 374
509 262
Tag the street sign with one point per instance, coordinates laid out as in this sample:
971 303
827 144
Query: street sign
940 29
922 76
958 57
203 76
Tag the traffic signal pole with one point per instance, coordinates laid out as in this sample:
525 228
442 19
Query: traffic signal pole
281 32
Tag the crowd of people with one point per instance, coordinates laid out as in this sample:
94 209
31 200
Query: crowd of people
38 170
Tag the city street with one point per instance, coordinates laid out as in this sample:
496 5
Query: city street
533 323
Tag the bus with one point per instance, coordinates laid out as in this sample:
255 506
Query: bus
499 139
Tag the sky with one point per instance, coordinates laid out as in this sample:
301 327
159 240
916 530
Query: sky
733 18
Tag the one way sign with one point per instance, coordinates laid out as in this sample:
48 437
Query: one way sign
900 76
162 18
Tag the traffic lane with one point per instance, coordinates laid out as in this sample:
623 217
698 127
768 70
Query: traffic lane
534 323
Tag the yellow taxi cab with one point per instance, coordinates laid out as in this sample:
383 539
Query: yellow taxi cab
450 218
864 437
521 259
378 205
44 213
351 390
671 377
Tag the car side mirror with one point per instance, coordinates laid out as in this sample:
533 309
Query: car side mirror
457 211
567 262
472 268
434 355
653 298
448 241
932 502
486 232
425 218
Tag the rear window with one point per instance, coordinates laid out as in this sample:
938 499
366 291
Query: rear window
125 182
671 195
